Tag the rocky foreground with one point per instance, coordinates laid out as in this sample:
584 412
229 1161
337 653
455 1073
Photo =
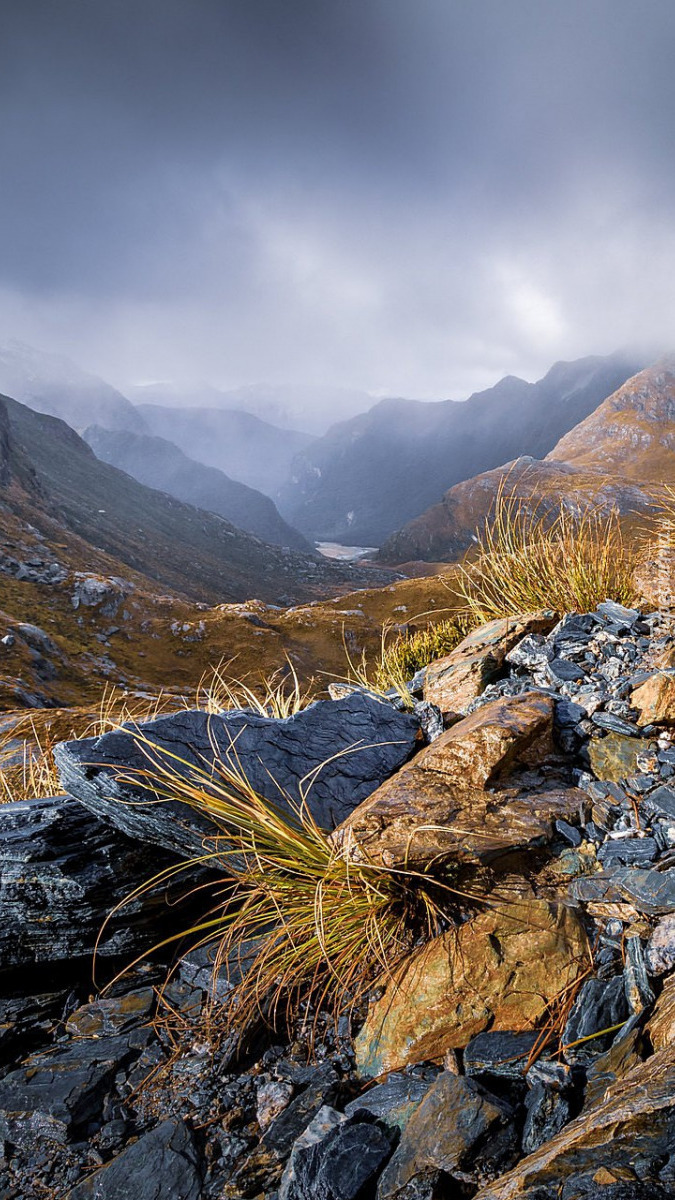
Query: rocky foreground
527 1051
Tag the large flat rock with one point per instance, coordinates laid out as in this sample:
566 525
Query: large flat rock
497 971
454 798
338 752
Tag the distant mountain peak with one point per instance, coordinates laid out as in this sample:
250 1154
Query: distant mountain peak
54 384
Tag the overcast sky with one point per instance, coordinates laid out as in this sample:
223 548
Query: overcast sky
413 197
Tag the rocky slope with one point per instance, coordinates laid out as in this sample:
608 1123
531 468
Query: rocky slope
369 476
160 464
525 1051
51 383
244 447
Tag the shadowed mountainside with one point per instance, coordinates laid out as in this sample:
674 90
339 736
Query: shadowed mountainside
369 476
55 482
159 464
616 456
244 447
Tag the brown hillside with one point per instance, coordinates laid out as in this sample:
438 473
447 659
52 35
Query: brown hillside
443 533
631 433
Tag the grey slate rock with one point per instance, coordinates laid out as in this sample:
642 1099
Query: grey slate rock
599 1005
607 720
500 1055
67 1084
663 798
627 851
344 1163
459 1129
547 1111
347 747
57 858
651 892
162 1165
569 832
561 670
395 1100
568 714
611 611
322 1089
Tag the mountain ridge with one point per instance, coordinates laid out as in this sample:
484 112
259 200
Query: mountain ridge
370 476
160 464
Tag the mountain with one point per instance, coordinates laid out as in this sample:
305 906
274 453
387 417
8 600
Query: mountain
369 476
632 433
446 530
51 383
312 408
618 455
244 447
54 482
159 464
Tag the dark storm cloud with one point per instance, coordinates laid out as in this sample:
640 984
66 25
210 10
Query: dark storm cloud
406 195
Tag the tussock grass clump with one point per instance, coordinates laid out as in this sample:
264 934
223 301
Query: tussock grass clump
277 695
404 653
323 929
407 653
547 558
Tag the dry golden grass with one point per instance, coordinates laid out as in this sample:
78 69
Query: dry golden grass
402 654
27 767
549 558
277 695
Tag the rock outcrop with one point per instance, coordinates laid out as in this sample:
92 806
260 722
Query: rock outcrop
330 756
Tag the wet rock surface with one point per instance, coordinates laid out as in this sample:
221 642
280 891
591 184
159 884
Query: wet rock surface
62 872
498 971
507 1062
344 748
463 797
454 682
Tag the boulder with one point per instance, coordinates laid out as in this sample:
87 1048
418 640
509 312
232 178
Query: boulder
454 682
634 1122
655 699
458 1129
162 1163
497 971
459 798
335 752
62 874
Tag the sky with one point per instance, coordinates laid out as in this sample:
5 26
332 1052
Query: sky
410 197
